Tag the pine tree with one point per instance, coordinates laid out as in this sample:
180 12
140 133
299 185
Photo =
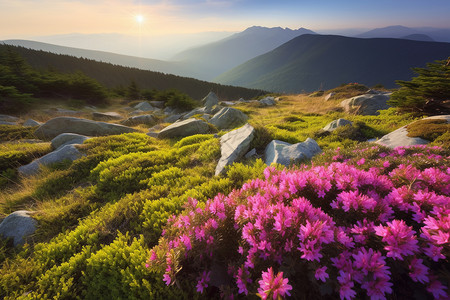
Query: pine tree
428 93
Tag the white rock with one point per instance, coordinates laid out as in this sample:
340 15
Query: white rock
234 145
209 101
228 117
68 139
268 101
284 153
145 106
368 104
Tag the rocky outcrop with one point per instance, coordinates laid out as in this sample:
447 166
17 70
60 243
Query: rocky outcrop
336 123
31 123
67 152
284 153
106 116
149 120
268 101
234 145
7 118
210 101
367 104
68 139
228 117
56 126
400 138
184 128
145 106
18 226
172 118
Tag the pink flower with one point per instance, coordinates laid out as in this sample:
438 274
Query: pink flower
203 281
275 286
321 274
167 279
418 272
437 289
361 161
399 237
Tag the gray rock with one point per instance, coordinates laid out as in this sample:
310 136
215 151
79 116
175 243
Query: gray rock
268 101
195 111
18 225
228 117
172 118
158 104
31 123
368 104
152 134
149 120
144 106
234 145
56 126
7 118
136 112
67 152
7 123
209 101
250 153
337 123
284 153
106 116
206 117
399 138
68 139
184 128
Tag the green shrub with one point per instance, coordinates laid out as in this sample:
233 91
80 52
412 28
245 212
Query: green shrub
12 101
193 139
16 132
429 129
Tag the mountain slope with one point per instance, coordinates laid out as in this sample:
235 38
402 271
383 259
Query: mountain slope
208 61
118 59
311 62
119 76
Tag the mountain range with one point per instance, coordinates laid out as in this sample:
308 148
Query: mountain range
252 57
312 62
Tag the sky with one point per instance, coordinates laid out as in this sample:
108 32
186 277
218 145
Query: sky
28 18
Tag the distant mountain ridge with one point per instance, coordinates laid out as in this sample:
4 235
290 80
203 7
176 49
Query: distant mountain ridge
398 31
312 62
212 59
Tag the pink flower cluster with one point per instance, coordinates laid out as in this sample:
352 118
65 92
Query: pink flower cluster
346 225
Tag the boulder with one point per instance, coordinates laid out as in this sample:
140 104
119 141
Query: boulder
158 104
56 126
67 152
250 153
228 117
368 104
184 128
400 138
209 101
18 226
337 123
7 118
195 111
172 118
234 145
7 123
145 106
31 123
284 153
68 139
149 120
268 101
106 116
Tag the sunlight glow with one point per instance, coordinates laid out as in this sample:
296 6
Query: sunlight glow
139 18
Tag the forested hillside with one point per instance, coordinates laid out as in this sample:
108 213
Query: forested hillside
113 76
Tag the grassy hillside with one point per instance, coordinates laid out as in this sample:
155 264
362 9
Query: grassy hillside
316 62
113 75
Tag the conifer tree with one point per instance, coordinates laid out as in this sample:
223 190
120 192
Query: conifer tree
428 93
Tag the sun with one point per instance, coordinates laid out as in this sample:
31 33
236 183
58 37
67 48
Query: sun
139 18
